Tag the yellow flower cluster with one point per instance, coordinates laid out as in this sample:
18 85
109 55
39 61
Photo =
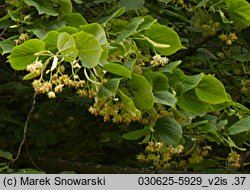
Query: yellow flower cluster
199 154
162 157
245 87
23 37
182 4
228 38
234 160
56 84
205 23
112 110
35 67
158 60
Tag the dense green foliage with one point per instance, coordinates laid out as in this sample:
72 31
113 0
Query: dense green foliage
167 76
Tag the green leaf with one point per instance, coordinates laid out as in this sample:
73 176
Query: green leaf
43 7
7 45
164 35
243 125
169 67
204 54
64 7
89 49
131 4
99 33
130 29
175 77
141 91
23 55
5 155
41 26
189 102
129 104
134 135
109 88
51 39
68 29
158 80
30 76
188 83
243 57
239 13
74 19
116 14
168 131
165 98
118 25
117 69
67 47
96 30
65 41
211 90
130 64
146 24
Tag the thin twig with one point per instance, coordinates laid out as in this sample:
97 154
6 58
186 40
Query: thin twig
2 32
25 128
31 159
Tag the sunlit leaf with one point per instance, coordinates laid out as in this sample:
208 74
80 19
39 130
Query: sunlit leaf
67 47
117 69
211 90
164 35
23 55
239 13
89 49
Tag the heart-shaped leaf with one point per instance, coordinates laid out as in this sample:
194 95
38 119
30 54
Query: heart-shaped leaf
168 131
23 55
89 49
211 90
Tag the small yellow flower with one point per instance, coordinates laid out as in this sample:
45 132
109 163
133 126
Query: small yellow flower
157 60
229 42
58 88
51 94
141 157
35 67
